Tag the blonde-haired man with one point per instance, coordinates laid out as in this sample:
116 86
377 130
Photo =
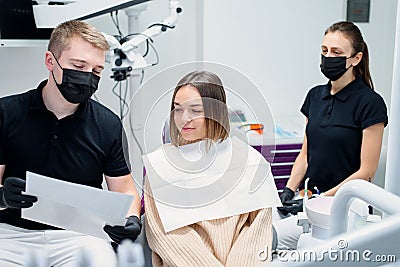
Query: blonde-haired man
58 131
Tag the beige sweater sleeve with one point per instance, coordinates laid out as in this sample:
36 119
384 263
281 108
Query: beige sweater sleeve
181 247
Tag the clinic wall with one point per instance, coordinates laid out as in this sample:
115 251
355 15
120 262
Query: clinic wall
21 69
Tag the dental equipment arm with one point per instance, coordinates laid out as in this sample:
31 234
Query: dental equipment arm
305 198
124 55
302 219
370 193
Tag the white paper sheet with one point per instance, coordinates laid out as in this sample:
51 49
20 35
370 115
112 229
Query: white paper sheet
230 179
75 207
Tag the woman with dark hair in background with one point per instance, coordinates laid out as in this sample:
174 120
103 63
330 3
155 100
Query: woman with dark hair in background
345 123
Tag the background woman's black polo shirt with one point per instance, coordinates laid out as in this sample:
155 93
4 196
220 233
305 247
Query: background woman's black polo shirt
79 148
334 130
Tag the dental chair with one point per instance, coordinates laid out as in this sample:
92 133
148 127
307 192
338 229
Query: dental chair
315 219
371 244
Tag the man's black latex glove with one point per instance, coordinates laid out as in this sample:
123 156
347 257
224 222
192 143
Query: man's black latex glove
11 194
286 195
130 231
291 206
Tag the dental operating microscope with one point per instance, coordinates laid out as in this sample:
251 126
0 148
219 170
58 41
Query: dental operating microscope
123 53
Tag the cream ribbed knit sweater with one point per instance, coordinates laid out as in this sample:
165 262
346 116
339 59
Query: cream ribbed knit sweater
232 241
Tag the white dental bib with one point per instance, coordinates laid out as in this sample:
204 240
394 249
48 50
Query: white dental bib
192 183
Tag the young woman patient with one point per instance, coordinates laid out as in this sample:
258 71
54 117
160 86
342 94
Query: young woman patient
208 196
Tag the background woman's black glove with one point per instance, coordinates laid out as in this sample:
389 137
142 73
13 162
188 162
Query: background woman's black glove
291 206
286 195
11 194
130 231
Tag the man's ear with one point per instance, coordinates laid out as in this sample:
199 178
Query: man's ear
49 60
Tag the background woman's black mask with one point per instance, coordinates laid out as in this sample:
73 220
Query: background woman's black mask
333 67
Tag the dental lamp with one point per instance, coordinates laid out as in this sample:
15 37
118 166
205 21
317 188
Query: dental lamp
48 14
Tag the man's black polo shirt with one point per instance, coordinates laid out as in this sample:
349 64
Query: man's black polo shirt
334 130
79 148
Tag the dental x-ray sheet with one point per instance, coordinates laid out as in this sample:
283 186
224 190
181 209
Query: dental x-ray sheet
208 180
75 207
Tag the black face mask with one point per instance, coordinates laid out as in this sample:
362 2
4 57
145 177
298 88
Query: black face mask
77 86
333 67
